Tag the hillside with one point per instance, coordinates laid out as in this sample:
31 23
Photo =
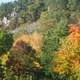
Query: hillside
40 40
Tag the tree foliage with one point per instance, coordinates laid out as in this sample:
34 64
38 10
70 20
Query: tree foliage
6 41
67 60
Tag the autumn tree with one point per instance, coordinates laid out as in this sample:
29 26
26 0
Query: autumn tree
66 61
25 54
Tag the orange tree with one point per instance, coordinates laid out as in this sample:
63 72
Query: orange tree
66 62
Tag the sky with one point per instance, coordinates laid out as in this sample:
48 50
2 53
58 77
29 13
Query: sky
4 1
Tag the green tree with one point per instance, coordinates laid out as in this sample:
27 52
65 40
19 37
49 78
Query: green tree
31 10
72 5
56 4
6 41
6 9
51 43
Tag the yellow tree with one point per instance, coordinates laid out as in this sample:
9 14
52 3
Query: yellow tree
67 60
24 53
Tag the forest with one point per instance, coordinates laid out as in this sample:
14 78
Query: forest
40 40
